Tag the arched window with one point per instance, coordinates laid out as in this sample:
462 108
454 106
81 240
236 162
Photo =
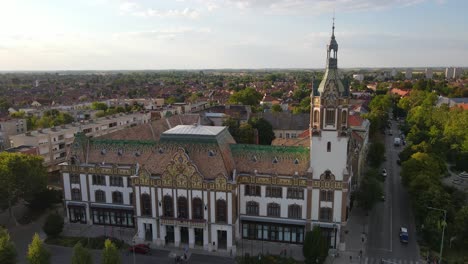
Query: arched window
221 211
168 206
344 117
117 197
182 207
100 196
145 204
76 194
316 116
295 211
273 210
328 146
197 208
252 208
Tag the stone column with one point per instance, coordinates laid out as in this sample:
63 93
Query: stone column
176 236
206 245
191 237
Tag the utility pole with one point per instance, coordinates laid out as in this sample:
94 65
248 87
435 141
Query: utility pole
443 230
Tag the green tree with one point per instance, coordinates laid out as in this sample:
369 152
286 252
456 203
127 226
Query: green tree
315 249
370 190
99 106
21 177
376 154
110 253
276 108
246 134
247 96
264 129
37 253
53 225
7 248
461 227
81 255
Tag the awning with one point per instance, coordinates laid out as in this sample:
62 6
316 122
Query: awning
76 204
111 206
273 220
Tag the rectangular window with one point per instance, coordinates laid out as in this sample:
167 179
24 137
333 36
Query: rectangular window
75 178
325 214
130 198
252 190
326 195
99 180
296 193
273 191
330 117
116 181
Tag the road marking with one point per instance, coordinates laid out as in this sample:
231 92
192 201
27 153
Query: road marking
391 228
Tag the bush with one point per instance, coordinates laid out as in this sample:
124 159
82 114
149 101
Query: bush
7 248
81 255
53 225
110 254
90 243
44 199
37 253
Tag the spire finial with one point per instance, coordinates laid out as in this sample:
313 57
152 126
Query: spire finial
333 27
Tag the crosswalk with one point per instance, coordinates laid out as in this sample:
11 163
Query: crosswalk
390 261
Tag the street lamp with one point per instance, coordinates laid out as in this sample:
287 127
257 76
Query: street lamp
443 230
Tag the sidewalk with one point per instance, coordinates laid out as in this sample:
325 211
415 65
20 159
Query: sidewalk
355 238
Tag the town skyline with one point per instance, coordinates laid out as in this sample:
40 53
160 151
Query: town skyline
203 34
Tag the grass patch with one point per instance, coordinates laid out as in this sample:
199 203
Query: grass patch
91 243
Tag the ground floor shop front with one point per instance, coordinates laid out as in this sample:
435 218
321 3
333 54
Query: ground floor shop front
210 237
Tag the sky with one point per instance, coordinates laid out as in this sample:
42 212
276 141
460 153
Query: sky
247 34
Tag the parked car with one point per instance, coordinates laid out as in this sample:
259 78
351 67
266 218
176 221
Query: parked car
140 249
404 235
398 162
384 173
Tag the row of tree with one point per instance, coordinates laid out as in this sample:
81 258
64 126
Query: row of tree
245 133
38 253
50 118
437 137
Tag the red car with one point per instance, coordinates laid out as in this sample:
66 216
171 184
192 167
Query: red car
140 249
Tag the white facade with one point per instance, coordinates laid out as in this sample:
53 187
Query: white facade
429 73
358 77
409 73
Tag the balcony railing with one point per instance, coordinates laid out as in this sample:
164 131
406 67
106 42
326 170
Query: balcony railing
198 223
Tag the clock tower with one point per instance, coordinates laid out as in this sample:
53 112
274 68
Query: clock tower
329 139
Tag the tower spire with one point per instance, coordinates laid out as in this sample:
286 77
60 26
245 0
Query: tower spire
333 27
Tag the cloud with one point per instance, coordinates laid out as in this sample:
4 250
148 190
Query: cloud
163 34
312 6
136 9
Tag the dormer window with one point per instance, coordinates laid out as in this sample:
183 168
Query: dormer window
296 161
160 150
103 151
120 152
275 160
254 158
211 153
137 153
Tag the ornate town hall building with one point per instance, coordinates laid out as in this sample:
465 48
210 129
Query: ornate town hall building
196 186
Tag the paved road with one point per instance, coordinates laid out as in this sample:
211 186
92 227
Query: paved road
387 217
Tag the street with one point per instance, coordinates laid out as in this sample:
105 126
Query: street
388 216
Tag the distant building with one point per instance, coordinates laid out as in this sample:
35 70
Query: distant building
24 150
429 73
409 73
54 143
457 72
358 77
10 127
449 73
393 73
287 125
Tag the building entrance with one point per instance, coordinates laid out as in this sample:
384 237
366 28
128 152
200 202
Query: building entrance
198 236
148 232
222 239
184 235
169 234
